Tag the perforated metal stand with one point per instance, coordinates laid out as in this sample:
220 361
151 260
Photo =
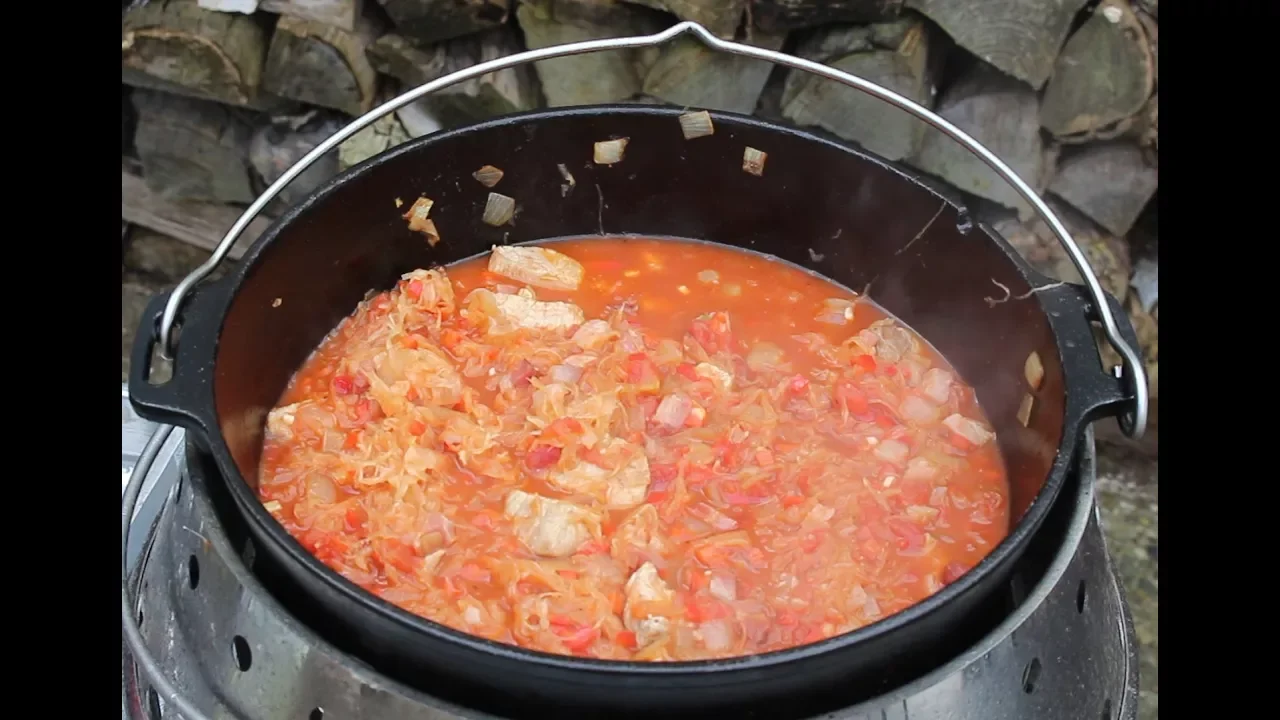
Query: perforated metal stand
1067 651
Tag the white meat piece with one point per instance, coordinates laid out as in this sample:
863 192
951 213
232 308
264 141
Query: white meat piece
722 380
594 334
550 527
919 468
969 429
509 313
936 385
280 422
537 266
624 487
649 600
891 341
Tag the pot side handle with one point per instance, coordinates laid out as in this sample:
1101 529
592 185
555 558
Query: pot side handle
186 398
1093 392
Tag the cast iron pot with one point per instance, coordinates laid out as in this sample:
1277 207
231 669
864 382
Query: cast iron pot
820 204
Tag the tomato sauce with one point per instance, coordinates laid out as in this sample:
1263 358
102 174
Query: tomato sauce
697 452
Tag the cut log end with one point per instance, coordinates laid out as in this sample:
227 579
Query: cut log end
192 149
905 67
688 75
1109 182
1020 37
1002 114
323 65
431 21
204 53
584 79
779 16
1103 78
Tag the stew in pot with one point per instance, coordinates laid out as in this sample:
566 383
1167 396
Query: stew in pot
634 449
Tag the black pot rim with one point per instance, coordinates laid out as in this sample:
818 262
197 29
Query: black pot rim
251 507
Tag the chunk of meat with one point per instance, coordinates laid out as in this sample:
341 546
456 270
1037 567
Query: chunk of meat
550 527
624 487
509 313
968 428
650 603
891 341
639 537
936 385
594 334
429 290
537 266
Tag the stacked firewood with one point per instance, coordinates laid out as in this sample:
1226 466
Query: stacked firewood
223 95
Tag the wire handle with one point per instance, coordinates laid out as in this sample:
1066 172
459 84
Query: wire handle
1133 422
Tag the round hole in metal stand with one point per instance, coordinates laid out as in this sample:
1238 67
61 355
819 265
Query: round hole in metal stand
1030 676
1106 709
153 703
193 572
1080 597
243 655
139 618
316 714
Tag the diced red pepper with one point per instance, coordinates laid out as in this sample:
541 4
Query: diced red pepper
414 289
910 536
356 518
542 456
866 362
792 500
853 398
343 384
581 639
352 440
687 370
626 639
417 427
472 572
952 572
397 554
712 331
812 541
798 384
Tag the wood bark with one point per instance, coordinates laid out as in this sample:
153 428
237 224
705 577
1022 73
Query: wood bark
498 93
690 74
200 224
431 21
342 14
1103 78
777 16
1004 115
323 65
584 79
177 46
193 149
895 55
385 133
721 17
279 142
1020 37
1110 182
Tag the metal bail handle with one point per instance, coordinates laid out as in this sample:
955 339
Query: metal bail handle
1133 421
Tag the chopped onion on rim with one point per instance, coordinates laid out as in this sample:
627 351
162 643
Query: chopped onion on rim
696 125
753 161
488 176
499 209
608 152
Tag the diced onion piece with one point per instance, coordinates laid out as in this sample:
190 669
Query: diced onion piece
471 615
892 451
835 311
1034 370
723 585
709 276
673 411
417 214
428 228
969 429
1024 409
487 176
565 373
499 209
732 289
272 506
608 152
917 409
753 161
716 635
764 356
696 125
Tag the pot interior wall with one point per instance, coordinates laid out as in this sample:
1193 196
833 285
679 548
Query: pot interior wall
819 205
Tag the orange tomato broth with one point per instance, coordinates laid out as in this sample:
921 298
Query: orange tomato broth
784 511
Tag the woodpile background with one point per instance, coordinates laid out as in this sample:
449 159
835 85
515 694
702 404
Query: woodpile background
219 97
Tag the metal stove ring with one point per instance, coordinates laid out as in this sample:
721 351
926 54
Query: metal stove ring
1038 663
